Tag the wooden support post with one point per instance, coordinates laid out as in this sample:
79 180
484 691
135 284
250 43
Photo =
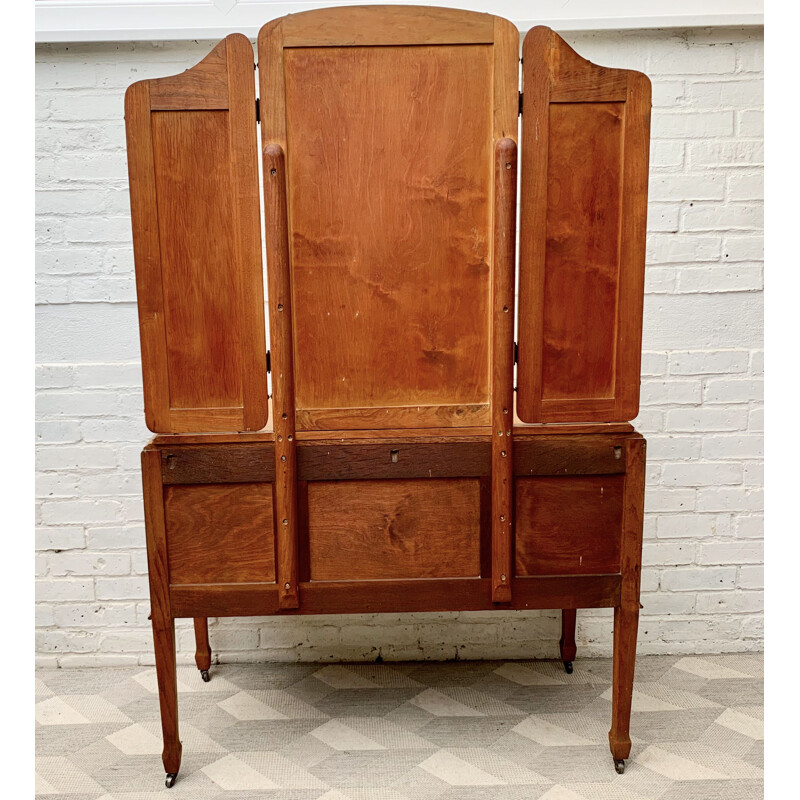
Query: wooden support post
502 398
202 655
280 323
163 622
626 614
567 644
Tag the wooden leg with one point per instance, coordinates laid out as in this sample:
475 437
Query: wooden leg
626 624
626 614
202 655
160 612
567 642
164 639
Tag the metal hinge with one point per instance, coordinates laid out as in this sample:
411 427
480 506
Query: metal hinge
519 112
258 110
269 362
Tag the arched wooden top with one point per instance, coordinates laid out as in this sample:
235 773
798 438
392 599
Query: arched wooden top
383 25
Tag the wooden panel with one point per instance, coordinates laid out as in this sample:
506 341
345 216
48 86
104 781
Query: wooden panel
219 463
390 270
200 299
582 235
220 534
372 597
582 254
389 167
569 526
392 460
369 530
574 455
331 419
192 142
383 434
390 457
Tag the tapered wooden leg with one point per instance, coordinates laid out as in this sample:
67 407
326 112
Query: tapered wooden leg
164 639
626 614
202 655
160 612
567 642
626 625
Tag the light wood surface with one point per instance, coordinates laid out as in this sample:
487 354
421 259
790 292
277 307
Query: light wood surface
383 530
400 471
283 395
626 613
220 533
520 431
502 506
394 597
585 150
162 614
569 525
191 142
389 154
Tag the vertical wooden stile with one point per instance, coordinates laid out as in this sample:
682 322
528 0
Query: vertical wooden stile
502 398
280 323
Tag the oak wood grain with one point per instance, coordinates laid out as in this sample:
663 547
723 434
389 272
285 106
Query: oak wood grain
585 150
387 457
161 611
502 388
379 530
388 152
569 526
220 533
281 310
626 613
372 597
192 141
520 431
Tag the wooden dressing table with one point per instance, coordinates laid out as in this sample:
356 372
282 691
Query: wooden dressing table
414 457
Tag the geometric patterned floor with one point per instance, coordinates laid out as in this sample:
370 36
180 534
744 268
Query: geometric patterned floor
407 731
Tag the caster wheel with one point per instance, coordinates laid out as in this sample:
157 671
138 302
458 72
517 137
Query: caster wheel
568 667
170 780
204 675
619 765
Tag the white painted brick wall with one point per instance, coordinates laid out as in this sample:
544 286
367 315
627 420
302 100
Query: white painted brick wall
701 392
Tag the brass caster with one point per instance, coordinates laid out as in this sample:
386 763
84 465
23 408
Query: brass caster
204 675
170 780
568 667
619 765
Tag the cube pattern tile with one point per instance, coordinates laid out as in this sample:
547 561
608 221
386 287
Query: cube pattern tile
406 731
